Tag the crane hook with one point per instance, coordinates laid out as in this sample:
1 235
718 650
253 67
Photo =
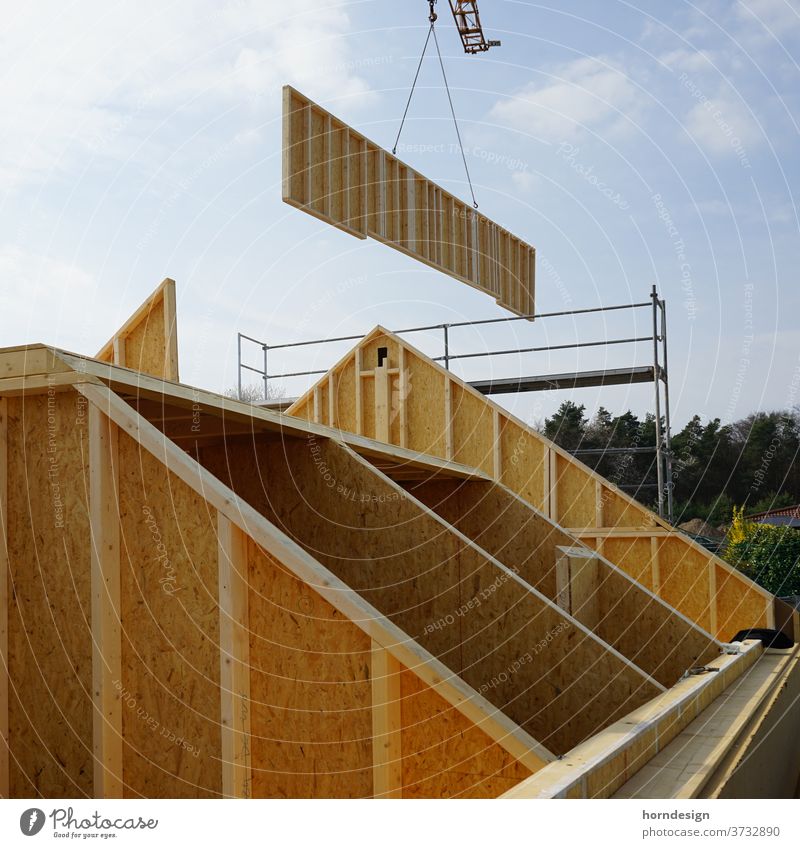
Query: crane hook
432 17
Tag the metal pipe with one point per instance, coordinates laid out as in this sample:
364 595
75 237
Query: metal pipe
542 349
446 348
239 369
656 382
668 434
266 375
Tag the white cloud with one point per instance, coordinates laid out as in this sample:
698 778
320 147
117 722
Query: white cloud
690 60
586 93
723 124
77 79
42 291
778 16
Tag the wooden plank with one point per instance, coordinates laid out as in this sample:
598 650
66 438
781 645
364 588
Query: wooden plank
234 678
386 724
50 598
106 627
382 401
4 577
432 671
393 209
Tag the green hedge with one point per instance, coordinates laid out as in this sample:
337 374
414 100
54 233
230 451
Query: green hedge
770 556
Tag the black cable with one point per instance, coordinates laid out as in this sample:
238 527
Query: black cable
413 86
455 122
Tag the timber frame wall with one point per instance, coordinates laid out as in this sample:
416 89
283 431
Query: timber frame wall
409 401
334 173
189 608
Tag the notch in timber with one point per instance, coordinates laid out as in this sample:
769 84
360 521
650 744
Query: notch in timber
383 355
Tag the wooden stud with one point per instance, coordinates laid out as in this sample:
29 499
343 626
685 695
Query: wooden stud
4 579
655 568
119 351
448 417
497 448
316 405
331 401
105 586
234 630
553 499
598 501
387 774
712 597
402 397
382 402
170 331
358 393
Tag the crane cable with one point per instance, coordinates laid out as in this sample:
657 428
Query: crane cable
432 31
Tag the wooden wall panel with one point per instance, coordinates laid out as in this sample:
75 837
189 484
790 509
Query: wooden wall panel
576 495
685 581
444 754
634 622
508 643
473 435
49 618
170 626
524 463
446 418
633 556
148 340
424 222
310 688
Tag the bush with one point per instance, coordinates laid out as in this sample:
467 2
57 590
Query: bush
769 555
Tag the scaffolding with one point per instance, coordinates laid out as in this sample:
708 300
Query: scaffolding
656 373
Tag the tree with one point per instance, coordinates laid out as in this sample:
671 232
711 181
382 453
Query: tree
567 427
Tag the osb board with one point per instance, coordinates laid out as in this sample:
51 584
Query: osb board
337 175
633 556
345 413
576 499
620 512
49 628
501 524
507 642
444 754
145 348
546 673
737 603
647 631
684 574
523 466
425 414
473 433
170 632
311 696
346 516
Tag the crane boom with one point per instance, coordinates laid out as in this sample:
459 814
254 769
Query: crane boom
468 23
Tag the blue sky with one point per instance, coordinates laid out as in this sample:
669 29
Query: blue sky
631 143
